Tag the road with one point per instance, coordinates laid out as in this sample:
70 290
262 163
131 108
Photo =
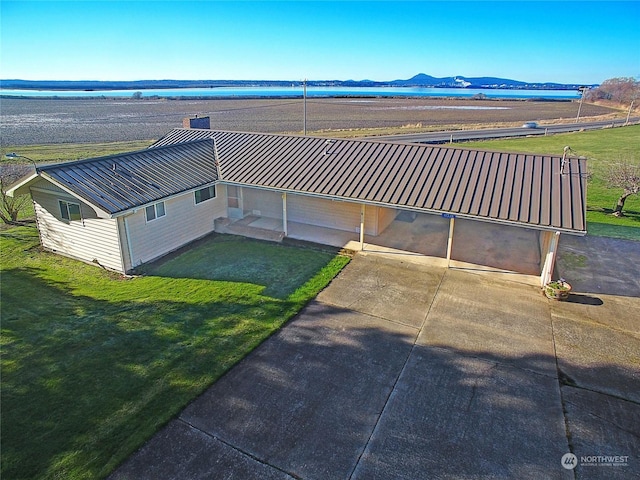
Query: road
452 136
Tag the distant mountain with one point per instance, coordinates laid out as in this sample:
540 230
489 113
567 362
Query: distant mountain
420 80
423 80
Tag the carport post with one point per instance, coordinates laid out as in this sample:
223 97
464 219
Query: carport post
550 259
284 214
362 227
450 240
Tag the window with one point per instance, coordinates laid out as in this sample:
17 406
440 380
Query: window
205 194
154 211
69 211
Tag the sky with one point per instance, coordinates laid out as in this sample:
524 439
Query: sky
578 42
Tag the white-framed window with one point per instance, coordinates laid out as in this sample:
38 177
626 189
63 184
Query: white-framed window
69 211
205 194
154 211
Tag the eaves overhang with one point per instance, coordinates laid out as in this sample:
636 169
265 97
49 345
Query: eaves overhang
430 211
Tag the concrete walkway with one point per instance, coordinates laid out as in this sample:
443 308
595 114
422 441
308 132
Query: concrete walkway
407 371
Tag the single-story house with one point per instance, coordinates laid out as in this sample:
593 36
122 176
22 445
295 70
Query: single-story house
124 210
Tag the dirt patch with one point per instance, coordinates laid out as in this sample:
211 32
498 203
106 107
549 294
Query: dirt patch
53 121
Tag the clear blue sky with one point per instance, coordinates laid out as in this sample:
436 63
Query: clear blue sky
570 42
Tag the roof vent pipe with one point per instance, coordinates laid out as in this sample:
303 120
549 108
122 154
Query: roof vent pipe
327 146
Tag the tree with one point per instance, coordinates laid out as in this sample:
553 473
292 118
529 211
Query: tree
621 90
625 175
10 207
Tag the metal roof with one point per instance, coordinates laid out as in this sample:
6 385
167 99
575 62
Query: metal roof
539 191
120 182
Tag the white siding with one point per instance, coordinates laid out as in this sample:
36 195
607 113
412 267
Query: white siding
184 221
90 239
331 214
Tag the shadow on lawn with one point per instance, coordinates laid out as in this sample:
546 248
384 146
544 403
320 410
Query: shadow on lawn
86 381
279 269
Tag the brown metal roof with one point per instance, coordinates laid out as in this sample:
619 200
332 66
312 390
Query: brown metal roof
518 188
500 187
120 182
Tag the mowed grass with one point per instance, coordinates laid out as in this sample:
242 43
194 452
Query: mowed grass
601 148
65 152
93 363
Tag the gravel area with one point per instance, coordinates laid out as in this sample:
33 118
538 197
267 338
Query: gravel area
53 121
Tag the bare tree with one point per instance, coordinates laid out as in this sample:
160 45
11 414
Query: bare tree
624 175
621 90
10 207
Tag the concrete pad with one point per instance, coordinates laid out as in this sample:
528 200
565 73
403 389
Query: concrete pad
307 400
598 347
180 451
601 425
350 389
501 321
452 416
386 288
600 265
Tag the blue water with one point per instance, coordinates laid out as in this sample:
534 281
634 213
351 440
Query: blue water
296 91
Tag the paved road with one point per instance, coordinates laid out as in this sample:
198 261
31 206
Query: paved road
485 133
404 371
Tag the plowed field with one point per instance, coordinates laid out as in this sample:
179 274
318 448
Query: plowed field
52 121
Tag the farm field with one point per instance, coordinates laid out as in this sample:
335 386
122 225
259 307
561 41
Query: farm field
58 121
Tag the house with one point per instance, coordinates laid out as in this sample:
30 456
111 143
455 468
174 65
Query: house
502 210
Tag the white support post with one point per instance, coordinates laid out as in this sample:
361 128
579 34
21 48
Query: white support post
450 240
362 227
550 258
284 215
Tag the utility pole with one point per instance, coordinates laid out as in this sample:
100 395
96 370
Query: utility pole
583 90
629 112
304 96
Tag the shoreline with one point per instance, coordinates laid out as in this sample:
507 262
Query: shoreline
289 97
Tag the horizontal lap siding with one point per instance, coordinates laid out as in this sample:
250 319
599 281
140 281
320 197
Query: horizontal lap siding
183 222
331 214
90 239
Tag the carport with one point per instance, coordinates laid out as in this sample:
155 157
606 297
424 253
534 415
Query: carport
502 247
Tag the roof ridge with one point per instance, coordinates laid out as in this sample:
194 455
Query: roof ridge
53 166
456 146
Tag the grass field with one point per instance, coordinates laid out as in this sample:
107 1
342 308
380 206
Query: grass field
94 363
601 147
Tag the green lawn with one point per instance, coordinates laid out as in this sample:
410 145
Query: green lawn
601 147
94 363
64 152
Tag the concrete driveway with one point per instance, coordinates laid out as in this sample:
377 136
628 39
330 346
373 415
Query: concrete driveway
402 370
